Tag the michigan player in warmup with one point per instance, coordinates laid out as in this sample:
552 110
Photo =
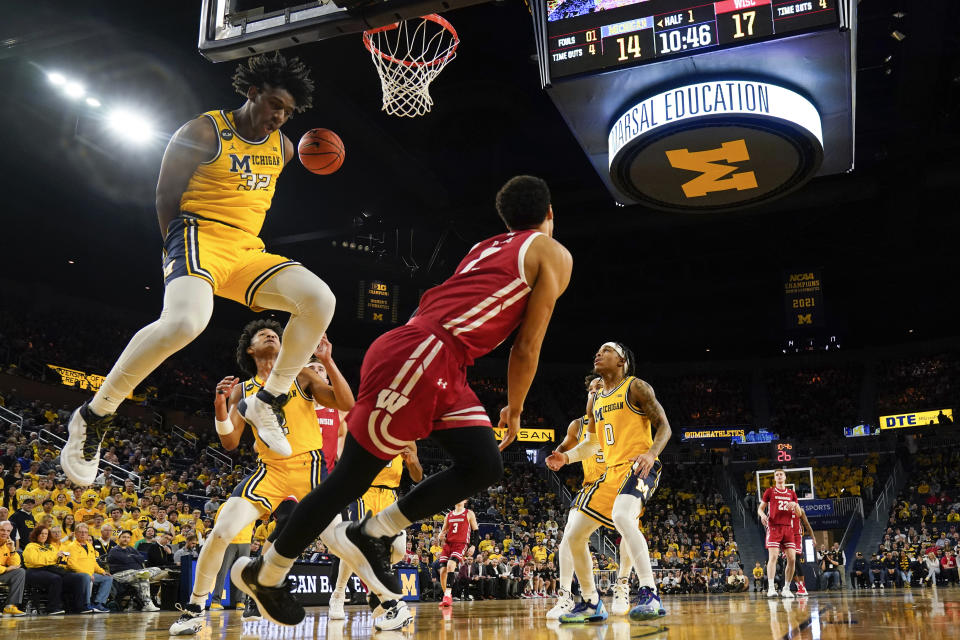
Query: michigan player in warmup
381 494
455 535
623 414
593 467
413 384
782 505
276 477
216 182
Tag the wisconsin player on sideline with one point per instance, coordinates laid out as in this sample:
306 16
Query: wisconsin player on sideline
276 477
413 384
455 535
782 504
216 183
381 494
623 415
593 467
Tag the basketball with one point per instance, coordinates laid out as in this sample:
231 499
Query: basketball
321 151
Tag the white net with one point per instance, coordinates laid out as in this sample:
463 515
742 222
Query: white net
408 56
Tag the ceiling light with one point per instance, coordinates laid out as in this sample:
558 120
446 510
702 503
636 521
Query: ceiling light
74 90
93 102
56 78
132 126
897 35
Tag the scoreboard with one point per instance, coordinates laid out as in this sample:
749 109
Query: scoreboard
585 36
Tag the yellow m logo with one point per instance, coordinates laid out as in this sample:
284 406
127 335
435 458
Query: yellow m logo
378 316
714 176
804 318
408 584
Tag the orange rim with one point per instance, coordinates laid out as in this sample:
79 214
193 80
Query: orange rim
433 17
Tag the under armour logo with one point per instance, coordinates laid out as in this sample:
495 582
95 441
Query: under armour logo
442 383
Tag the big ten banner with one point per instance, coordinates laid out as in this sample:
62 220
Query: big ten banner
86 381
378 302
528 434
917 419
803 299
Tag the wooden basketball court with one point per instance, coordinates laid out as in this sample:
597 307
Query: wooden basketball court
917 614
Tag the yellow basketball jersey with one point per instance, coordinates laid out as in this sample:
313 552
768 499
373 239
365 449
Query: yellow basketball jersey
301 428
594 466
623 429
236 185
389 476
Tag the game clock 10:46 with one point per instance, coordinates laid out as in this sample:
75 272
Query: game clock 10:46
785 452
593 35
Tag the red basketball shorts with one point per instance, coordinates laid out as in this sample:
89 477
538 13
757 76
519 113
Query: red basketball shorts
780 536
453 551
412 383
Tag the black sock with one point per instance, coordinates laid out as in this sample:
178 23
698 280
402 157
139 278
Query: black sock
477 464
352 476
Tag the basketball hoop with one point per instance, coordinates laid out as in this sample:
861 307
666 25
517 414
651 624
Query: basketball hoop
408 56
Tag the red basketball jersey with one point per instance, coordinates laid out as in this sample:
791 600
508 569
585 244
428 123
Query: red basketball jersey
778 512
329 420
458 527
485 299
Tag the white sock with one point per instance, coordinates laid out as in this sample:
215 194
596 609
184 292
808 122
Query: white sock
274 569
310 304
388 522
187 306
448 591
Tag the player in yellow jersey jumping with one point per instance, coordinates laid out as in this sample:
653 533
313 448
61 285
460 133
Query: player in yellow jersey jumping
216 183
276 477
381 494
623 414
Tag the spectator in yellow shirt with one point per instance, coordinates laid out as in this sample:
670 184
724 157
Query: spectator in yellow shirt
486 545
82 559
86 513
11 573
539 553
38 558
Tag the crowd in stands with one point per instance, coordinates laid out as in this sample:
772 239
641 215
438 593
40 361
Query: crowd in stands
843 479
920 543
919 383
814 403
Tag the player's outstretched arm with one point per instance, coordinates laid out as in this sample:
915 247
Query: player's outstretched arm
548 266
230 424
572 437
337 394
193 143
642 395
410 458
472 519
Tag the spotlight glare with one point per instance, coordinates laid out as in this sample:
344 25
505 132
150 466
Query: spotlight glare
133 127
898 35
93 102
74 90
56 78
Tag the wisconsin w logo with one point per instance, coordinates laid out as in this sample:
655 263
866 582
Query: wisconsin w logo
714 176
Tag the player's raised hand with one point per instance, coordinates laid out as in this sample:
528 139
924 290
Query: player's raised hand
324 350
556 460
224 388
509 420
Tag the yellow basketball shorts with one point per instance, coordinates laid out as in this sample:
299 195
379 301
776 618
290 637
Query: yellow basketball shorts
376 499
596 499
233 261
275 481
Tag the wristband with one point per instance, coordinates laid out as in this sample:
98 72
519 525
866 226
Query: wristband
224 427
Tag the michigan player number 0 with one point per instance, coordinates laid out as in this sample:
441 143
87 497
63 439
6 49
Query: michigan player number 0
608 432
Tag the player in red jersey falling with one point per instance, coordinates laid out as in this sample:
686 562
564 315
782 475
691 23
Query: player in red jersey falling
780 531
413 384
457 526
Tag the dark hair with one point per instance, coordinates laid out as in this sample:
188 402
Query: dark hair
588 379
35 534
276 71
125 531
523 202
244 359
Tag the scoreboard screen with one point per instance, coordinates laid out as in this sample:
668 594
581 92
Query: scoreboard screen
600 35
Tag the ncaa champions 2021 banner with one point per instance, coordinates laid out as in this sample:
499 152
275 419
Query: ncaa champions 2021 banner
803 299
